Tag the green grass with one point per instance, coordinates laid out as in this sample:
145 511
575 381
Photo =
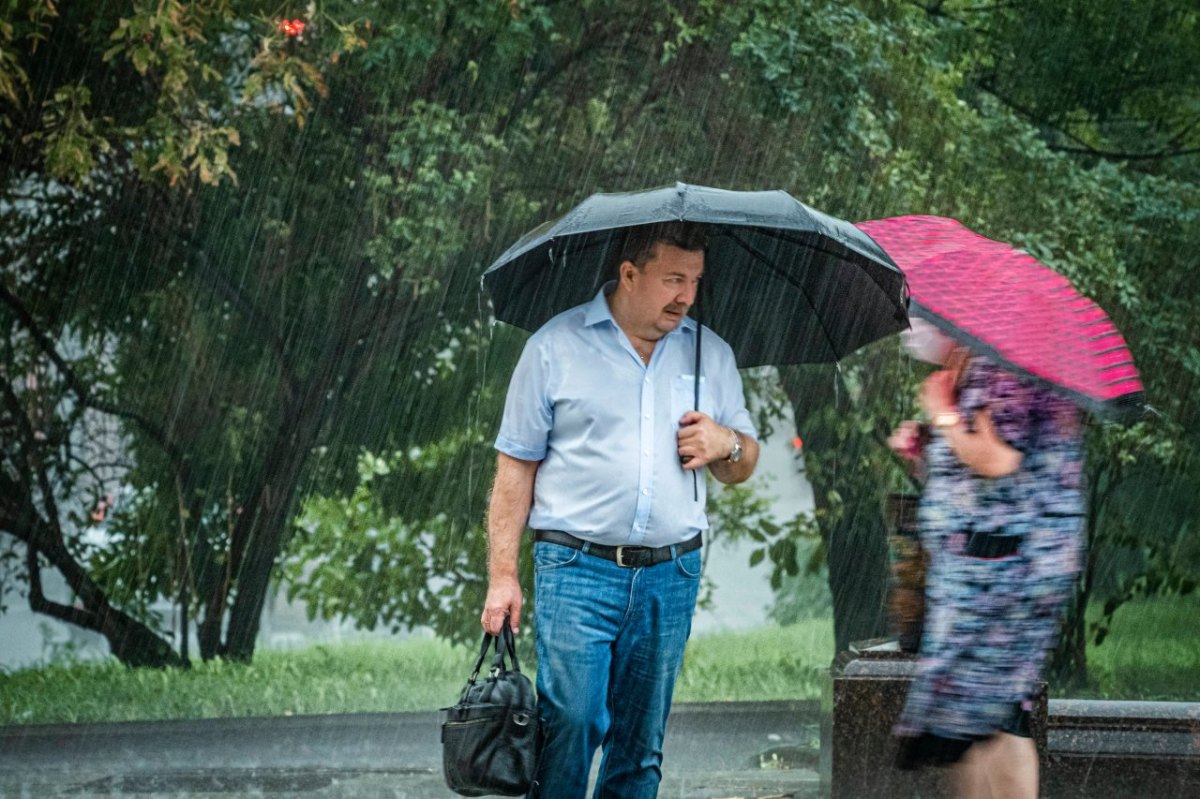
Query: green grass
349 678
771 663
414 674
1153 653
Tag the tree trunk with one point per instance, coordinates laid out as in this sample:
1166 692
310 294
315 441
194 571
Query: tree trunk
856 543
131 642
264 542
858 573
260 533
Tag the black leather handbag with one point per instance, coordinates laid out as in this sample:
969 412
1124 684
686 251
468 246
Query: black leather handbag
489 739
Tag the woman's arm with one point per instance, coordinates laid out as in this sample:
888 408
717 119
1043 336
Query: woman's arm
983 451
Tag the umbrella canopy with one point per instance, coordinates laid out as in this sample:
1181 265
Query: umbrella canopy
783 283
1001 301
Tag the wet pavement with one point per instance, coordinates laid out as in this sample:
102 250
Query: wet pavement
720 751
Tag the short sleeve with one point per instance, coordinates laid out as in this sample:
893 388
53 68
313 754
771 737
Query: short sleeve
731 409
1010 401
528 414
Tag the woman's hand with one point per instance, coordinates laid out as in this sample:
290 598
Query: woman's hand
905 440
908 441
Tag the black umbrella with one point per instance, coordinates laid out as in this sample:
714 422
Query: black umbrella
783 283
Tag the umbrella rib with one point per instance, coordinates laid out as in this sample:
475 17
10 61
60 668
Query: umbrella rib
784 276
783 236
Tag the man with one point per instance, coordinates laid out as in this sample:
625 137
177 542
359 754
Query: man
597 452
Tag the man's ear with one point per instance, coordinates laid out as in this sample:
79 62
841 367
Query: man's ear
625 272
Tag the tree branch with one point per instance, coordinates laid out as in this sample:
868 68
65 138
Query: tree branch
1124 156
39 604
253 315
33 463
1084 148
77 386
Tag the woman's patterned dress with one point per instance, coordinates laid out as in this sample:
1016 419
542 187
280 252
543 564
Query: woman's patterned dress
990 621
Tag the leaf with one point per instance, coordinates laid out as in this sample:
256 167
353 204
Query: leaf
141 58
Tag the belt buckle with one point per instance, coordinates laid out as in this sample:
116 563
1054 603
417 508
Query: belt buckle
636 551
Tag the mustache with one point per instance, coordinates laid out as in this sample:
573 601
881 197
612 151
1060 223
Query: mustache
679 309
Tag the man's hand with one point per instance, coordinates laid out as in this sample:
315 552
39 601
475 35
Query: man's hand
503 599
702 441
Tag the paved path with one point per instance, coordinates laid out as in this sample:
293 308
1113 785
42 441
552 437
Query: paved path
716 751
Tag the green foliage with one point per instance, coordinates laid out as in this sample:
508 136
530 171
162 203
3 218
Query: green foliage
72 143
267 258
24 25
402 548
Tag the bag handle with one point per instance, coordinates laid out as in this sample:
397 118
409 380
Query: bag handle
509 648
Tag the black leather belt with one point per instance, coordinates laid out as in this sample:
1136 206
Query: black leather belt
626 556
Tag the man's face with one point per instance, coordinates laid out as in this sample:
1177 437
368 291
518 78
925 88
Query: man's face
665 288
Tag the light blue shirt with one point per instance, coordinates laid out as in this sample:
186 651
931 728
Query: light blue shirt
605 426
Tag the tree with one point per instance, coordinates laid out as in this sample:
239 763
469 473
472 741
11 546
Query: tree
254 244
225 377
958 109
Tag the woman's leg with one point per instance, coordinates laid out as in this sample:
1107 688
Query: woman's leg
969 778
1013 767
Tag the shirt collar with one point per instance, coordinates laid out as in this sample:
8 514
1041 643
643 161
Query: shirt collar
598 310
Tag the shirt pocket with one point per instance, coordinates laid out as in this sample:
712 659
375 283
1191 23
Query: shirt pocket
683 396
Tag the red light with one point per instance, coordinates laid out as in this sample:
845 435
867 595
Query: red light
797 443
291 27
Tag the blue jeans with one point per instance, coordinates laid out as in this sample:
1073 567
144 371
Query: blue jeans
610 643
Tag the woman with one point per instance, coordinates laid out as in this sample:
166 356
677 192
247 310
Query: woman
1001 516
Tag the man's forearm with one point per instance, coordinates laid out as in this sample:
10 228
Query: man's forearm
508 512
728 472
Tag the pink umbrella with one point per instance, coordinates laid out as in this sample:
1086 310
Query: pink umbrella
1006 304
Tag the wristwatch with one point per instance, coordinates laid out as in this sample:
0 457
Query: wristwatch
943 420
736 454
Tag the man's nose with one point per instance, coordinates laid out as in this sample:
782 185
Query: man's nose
687 295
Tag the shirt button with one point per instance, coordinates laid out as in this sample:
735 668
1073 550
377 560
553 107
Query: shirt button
646 452
646 416
646 491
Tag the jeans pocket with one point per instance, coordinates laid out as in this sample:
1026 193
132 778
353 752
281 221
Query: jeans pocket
690 564
548 556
